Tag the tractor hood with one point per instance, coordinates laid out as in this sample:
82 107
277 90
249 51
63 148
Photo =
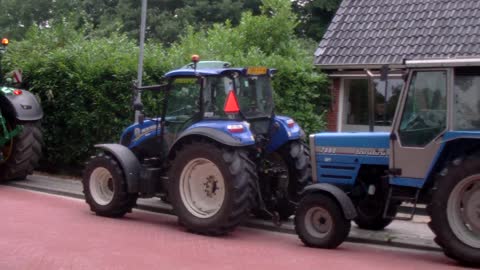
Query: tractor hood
367 143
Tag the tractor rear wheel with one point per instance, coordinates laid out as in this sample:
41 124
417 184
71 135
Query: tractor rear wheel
22 153
211 187
105 187
455 211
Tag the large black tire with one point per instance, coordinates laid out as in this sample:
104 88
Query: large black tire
373 223
22 153
444 222
238 181
320 222
370 208
370 211
296 157
103 167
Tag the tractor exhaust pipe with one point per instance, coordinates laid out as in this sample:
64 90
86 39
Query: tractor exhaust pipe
371 101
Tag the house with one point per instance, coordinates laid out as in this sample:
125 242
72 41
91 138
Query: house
368 36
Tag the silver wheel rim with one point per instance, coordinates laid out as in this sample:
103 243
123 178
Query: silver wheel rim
101 186
202 188
463 211
318 222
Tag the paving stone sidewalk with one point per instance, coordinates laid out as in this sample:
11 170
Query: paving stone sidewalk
408 234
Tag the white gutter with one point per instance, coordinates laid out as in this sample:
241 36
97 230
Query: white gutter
445 62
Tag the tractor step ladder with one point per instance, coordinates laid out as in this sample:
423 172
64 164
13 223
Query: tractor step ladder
400 194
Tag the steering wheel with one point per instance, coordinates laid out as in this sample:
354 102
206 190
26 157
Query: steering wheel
416 121
185 108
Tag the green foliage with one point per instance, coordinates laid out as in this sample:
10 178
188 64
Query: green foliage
315 15
167 18
84 81
84 87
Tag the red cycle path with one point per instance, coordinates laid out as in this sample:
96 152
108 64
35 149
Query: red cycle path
40 231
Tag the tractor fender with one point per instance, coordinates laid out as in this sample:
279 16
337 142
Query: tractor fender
129 163
216 135
339 195
25 106
282 133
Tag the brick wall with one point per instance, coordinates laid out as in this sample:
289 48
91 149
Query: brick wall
332 115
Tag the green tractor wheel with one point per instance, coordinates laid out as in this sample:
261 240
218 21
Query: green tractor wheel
21 153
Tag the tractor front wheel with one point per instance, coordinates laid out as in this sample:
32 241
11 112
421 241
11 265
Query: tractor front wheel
211 187
455 211
105 187
319 222
22 153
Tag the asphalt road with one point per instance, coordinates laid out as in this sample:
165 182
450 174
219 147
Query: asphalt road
406 234
42 231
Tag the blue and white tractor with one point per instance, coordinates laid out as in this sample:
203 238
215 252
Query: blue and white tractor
431 156
217 151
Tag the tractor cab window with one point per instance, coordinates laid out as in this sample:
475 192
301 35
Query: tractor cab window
254 95
183 100
425 113
467 98
214 95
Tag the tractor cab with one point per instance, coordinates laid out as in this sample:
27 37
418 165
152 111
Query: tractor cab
212 97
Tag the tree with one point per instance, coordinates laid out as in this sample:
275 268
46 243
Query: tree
167 19
315 16
17 16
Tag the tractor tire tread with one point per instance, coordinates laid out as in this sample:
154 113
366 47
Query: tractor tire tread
26 152
122 203
439 224
243 171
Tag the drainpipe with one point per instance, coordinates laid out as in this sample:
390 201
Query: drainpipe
371 101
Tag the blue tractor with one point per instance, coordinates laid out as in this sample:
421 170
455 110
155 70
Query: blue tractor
217 151
431 156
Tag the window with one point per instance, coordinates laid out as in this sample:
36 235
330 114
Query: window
214 96
255 96
386 100
424 116
183 100
467 99
357 109
356 96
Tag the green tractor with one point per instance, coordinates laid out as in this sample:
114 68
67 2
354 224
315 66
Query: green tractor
20 135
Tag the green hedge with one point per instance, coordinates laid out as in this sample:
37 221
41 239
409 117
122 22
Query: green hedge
84 83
